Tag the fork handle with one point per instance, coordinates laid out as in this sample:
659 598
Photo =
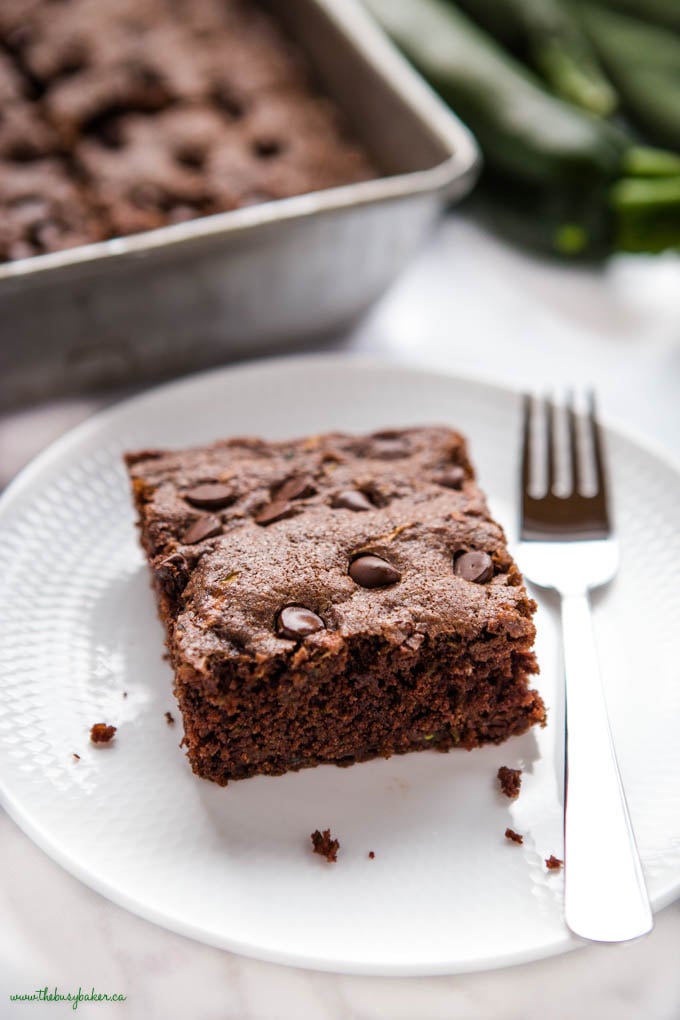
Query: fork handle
605 895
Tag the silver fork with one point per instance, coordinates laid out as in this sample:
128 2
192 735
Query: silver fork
567 544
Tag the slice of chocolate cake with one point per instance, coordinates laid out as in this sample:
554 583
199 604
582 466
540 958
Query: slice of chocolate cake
333 599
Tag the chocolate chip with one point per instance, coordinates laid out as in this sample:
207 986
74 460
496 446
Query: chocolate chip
23 152
204 527
228 102
108 132
351 499
373 572
474 566
267 148
297 622
182 213
46 236
295 488
191 156
19 37
388 434
255 197
210 496
21 250
147 196
390 449
30 209
274 511
451 477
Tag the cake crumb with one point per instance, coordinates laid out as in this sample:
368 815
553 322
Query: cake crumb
514 836
76 756
325 845
553 863
510 780
371 854
170 719
100 733
125 694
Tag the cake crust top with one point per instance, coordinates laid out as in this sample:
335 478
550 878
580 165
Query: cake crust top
384 536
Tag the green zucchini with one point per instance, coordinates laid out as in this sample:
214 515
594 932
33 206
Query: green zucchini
655 12
521 127
549 165
647 214
644 62
547 35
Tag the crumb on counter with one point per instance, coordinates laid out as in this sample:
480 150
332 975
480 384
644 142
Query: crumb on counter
371 854
170 719
513 836
553 863
510 781
76 756
100 733
325 845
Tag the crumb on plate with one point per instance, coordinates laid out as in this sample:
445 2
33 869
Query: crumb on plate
325 845
510 781
100 733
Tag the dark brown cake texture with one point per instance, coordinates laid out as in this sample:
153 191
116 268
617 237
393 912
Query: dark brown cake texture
125 115
101 733
513 836
510 781
324 844
334 599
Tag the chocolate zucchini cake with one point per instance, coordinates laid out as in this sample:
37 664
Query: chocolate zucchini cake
334 599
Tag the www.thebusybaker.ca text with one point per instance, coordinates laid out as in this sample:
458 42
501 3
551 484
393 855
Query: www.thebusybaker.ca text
45 995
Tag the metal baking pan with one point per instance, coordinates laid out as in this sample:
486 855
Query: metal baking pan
196 293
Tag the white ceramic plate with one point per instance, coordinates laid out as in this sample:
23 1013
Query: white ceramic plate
446 891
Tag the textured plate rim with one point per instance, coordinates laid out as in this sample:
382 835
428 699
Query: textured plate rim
103 419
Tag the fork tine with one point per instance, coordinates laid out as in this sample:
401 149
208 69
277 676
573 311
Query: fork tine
565 515
596 442
573 445
600 497
551 414
527 450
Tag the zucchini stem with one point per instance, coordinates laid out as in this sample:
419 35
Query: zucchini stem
645 161
646 213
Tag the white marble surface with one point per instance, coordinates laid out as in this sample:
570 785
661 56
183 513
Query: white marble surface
475 307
